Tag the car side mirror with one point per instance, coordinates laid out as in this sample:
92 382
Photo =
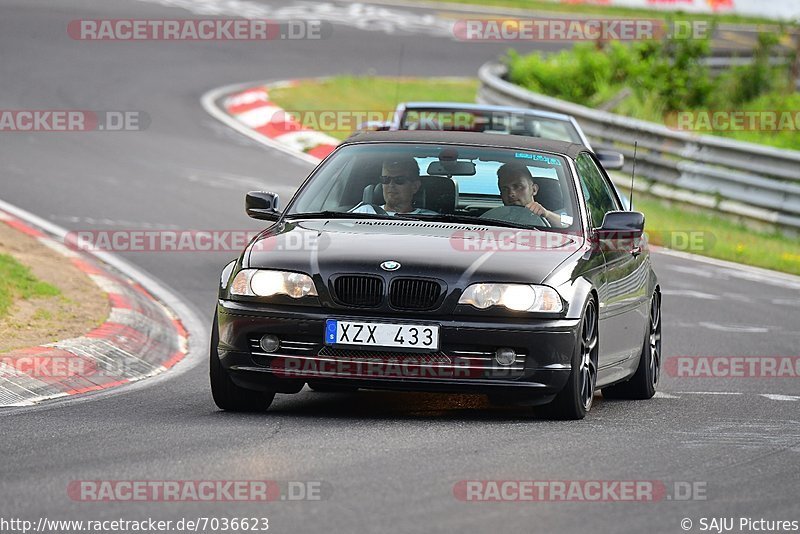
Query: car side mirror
262 205
622 224
611 161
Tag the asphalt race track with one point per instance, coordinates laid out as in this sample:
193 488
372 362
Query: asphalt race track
388 461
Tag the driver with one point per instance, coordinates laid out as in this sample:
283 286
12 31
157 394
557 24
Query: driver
400 181
518 188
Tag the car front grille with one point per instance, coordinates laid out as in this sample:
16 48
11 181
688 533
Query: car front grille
358 290
414 293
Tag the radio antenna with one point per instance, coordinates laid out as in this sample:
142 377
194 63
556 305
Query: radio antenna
399 74
633 173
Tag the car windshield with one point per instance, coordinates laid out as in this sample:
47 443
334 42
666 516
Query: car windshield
453 183
489 121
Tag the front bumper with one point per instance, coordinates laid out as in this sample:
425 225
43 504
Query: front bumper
464 362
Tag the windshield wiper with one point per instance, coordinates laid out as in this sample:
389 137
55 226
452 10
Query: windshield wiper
327 214
471 219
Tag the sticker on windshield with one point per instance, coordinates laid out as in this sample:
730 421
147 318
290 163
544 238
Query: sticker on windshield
539 157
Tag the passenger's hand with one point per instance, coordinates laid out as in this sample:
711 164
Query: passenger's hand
537 208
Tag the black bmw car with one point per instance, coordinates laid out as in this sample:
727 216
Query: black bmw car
443 261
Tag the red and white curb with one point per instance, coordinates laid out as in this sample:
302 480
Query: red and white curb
141 338
252 109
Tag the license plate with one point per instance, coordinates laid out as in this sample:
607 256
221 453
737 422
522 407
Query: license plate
410 336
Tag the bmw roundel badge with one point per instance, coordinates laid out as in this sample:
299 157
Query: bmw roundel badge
390 265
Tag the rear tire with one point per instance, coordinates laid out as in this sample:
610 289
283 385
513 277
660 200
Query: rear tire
575 400
642 385
227 395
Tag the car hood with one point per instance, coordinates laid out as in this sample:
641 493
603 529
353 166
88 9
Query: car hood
458 254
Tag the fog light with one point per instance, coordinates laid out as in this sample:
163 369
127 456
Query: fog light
270 343
505 356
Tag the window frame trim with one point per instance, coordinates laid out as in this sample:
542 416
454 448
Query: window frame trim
608 183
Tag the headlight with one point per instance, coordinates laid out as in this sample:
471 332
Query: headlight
263 283
517 297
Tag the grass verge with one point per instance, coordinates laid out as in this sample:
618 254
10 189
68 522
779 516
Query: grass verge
670 225
44 297
709 234
365 97
609 11
17 282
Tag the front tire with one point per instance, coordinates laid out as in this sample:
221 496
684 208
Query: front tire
227 395
644 381
575 400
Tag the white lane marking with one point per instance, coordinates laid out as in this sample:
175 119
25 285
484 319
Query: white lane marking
769 396
695 271
689 293
759 277
772 396
764 275
355 15
708 393
737 297
109 222
226 181
749 435
736 328
794 303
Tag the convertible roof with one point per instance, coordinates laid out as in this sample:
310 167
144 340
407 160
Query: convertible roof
469 138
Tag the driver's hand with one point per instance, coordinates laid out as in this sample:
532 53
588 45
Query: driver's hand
537 208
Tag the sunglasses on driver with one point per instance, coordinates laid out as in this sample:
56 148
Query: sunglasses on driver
398 180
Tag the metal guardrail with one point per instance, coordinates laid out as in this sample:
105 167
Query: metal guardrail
746 179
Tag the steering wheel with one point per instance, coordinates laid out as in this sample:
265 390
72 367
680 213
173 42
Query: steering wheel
518 214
